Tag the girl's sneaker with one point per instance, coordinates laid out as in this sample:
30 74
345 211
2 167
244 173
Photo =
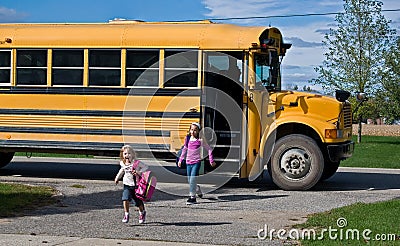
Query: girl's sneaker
126 218
191 200
198 191
142 217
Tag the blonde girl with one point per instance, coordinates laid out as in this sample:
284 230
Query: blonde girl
129 173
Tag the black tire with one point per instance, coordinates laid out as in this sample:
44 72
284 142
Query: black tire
330 169
297 163
5 158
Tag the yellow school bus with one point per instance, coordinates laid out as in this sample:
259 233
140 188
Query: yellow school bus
90 88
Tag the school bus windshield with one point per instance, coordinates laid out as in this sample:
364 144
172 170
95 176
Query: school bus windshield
267 71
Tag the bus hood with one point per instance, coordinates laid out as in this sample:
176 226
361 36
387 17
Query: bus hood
322 107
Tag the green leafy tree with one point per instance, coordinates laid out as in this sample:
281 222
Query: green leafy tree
389 96
357 51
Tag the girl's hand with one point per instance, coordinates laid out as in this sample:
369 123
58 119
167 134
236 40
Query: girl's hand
116 181
135 173
179 164
213 164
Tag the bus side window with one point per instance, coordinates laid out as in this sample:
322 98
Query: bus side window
104 67
67 67
228 64
181 68
31 67
5 66
142 67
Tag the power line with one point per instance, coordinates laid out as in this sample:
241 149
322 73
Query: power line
284 16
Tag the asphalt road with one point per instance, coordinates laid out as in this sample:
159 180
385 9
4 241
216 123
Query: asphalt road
233 214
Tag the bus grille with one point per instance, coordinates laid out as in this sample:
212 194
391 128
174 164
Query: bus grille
347 116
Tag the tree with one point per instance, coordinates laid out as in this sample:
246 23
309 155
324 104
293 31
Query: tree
357 50
389 96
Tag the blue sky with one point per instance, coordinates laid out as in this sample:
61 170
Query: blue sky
305 33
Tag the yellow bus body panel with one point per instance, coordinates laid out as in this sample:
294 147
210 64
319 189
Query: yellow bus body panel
142 34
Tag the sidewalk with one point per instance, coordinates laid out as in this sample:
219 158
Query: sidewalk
33 240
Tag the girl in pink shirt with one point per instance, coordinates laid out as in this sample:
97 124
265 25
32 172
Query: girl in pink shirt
192 152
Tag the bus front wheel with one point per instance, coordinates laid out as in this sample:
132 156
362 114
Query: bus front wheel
330 169
297 162
5 158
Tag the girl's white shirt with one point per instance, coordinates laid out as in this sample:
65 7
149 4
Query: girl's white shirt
126 172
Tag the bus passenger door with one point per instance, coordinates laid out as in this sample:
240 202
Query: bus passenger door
222 102
254 165
257 109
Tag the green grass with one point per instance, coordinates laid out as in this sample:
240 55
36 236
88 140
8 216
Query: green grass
375 152
381 219
78 186
16 198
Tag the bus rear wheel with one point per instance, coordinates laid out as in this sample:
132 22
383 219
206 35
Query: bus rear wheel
5 158
297 163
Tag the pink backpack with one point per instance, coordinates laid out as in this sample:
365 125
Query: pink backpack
146 184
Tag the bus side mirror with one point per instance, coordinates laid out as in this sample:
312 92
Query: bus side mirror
342 96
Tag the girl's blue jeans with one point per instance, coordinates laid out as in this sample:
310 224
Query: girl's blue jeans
192 171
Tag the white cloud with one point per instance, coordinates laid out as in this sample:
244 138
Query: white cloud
296 75
10 15
244 8
7 12
308 32
249 8
298 42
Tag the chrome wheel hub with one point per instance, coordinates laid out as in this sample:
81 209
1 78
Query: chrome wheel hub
295 163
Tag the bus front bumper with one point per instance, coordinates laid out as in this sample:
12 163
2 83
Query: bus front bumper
338 152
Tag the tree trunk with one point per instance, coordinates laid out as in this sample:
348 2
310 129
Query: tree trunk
359 130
